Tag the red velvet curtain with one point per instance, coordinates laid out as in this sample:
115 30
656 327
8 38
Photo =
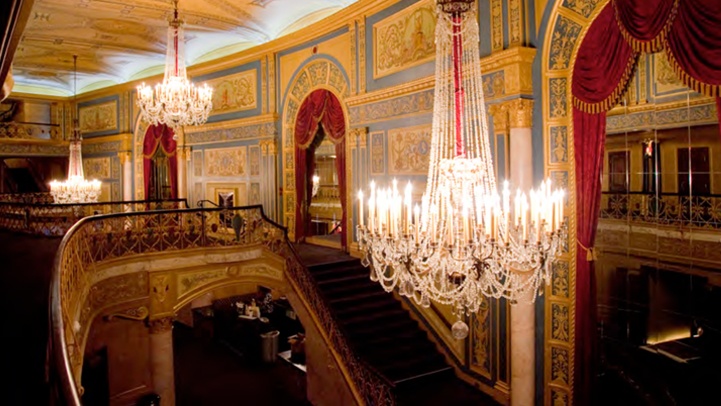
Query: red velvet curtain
690 30
320 107
160 136
644 24
603 66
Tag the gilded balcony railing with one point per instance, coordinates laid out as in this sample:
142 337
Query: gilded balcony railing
671 209
36 215
94 240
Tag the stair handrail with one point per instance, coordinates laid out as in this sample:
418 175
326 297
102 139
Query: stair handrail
95 239
375 388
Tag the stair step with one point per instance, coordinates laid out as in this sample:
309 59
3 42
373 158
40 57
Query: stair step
387 303
353 262
331 274
376 318
333 292
387 339
398 370
398 349
345 279
359 333
371 295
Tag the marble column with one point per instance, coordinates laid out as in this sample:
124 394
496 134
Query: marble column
126 162
161 359
523 318
183 154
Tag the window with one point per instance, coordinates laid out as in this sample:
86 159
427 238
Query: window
618 171
694 171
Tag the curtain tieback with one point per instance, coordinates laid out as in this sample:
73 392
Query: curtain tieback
591 253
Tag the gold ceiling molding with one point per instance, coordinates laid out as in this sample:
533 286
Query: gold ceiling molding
224 125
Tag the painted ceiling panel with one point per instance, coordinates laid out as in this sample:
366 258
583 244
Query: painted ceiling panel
121 40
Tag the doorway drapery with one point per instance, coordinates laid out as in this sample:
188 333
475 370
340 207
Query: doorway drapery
319 108
690 32
160 136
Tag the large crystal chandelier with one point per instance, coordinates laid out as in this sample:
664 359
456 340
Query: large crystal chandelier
76 189
176 101
465 240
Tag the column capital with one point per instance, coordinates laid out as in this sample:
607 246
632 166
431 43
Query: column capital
268 147
357 136
520 113
499 112
124 156
161 325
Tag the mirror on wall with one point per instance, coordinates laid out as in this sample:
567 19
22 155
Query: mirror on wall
658 273
325 210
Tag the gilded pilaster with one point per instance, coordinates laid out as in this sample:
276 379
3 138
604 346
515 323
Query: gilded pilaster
362 54
125 157
499 113
496 25
264 84
353 57
516 22
271 83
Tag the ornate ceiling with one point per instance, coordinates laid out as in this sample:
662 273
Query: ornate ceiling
121 40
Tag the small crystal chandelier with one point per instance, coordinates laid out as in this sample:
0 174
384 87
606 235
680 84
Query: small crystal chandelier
176 101
464 241
76 189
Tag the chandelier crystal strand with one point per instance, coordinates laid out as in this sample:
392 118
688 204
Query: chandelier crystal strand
465 241
76 189
176 101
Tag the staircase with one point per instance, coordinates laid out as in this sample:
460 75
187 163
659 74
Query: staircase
377 326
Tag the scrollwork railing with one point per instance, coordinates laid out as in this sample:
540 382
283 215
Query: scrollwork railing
50 219
682 211
94 240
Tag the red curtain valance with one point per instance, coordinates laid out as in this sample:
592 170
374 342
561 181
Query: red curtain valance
645 24
320 107
160 136
603 66
689 30
694 45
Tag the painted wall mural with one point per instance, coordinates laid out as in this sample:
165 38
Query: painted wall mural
404 39
236 92
98 117
409 149
225 161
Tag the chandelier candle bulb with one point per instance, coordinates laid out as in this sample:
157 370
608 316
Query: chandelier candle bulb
360 207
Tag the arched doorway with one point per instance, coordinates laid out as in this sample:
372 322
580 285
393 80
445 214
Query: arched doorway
320 118
160 163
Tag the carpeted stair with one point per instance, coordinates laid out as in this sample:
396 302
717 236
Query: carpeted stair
379 329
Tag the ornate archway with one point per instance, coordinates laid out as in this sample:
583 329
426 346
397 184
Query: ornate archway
319 72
